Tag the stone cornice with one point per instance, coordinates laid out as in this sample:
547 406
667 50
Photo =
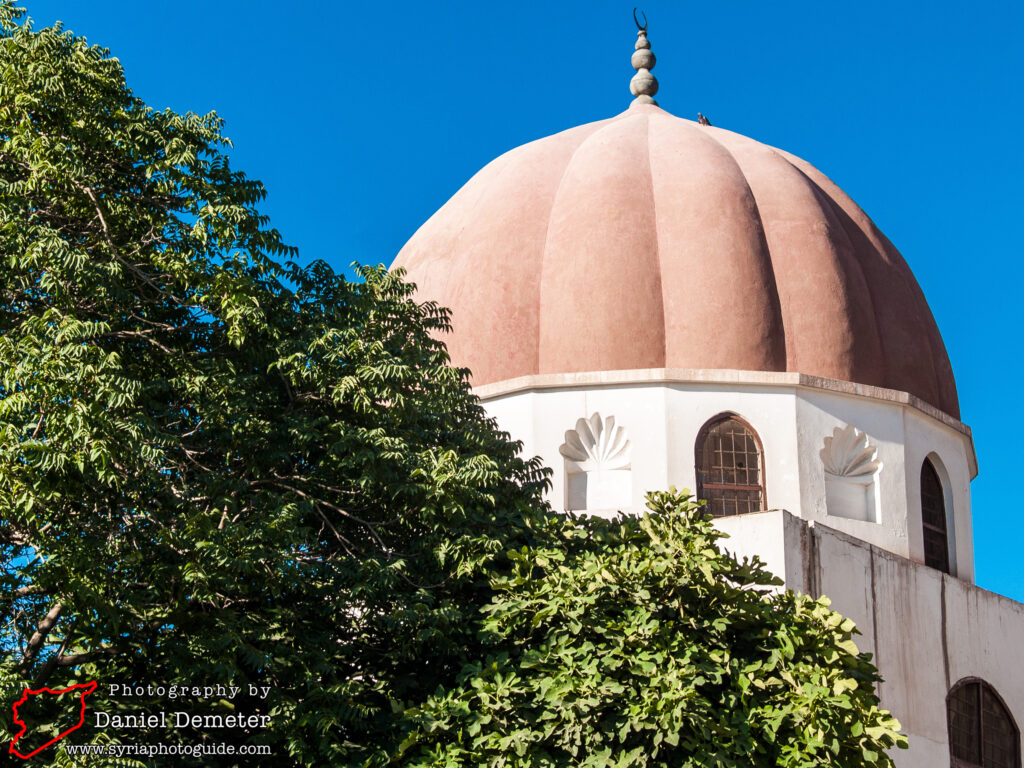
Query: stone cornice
781 379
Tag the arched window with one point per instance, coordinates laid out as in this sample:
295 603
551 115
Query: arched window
982 733
730 467
933 518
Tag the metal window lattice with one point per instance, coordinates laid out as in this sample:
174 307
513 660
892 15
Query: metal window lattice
933 519
729 469
982 733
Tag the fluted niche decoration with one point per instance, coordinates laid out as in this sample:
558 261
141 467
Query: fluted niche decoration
851 469
598 473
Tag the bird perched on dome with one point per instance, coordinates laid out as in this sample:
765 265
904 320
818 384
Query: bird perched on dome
701 120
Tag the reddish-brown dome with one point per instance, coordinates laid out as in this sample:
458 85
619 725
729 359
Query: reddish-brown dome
648 241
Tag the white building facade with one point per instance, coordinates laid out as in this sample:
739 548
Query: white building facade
857 537
649 302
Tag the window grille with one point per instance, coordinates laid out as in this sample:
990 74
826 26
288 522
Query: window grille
982 733
933 519
730 467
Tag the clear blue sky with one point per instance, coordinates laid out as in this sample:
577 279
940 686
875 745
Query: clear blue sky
363 120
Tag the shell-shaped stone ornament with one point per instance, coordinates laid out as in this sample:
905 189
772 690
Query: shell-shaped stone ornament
597 443
847 453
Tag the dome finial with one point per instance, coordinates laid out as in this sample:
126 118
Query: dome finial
643 85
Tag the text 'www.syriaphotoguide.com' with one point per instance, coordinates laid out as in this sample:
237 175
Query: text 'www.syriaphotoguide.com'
156 750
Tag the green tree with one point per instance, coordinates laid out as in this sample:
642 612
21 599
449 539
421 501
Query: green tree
215 467
638 642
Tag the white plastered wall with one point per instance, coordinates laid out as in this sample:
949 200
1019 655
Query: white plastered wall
792 415
926 630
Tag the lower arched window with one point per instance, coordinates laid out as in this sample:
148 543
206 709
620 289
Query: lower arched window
933 518
730 467
982 733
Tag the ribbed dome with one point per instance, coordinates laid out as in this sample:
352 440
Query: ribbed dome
648 241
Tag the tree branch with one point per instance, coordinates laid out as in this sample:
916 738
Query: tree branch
114 252
75 659
34 589
35 643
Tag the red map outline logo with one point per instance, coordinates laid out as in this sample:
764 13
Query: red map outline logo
87 688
